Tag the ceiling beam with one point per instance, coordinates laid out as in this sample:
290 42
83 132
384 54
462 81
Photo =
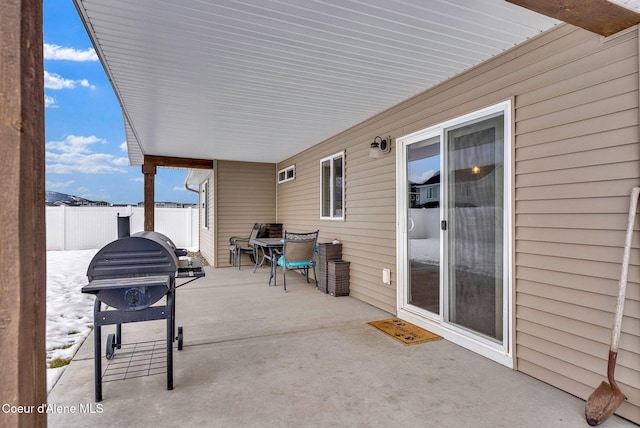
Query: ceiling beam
175 162
598 16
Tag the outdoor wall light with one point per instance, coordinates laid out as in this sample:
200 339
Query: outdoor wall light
379 146
475 169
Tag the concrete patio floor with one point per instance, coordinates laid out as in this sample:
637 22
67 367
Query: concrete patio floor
256 357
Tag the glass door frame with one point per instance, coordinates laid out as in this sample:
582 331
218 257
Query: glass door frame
499 352
405 142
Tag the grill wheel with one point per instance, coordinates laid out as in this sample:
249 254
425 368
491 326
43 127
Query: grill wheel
111 346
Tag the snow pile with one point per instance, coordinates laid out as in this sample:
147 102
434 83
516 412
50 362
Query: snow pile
69 311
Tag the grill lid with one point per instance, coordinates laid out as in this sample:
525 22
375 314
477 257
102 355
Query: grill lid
133 256
157 236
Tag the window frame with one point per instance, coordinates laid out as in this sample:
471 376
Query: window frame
332 178
286 171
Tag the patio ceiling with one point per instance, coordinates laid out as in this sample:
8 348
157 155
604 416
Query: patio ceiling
260 80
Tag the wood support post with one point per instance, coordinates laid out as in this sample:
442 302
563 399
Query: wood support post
23 375
149 171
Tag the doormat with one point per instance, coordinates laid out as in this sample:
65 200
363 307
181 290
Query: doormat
404 332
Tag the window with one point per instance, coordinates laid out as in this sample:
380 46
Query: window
332 187
287 174
204 205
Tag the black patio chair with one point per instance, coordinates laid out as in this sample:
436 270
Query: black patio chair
239 246
298 252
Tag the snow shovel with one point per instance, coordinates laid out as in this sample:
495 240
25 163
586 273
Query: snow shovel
607 397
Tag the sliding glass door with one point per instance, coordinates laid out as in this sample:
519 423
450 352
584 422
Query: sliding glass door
475 226
455 236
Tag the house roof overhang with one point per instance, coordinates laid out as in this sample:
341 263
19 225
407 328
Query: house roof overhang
256 80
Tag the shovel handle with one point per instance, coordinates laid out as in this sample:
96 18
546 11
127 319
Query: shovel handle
622 288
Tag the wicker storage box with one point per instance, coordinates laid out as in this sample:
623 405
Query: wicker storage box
328 251
338 278
322 282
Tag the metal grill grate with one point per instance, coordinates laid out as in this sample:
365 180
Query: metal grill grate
137 360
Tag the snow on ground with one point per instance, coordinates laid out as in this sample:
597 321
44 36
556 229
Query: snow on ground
69 311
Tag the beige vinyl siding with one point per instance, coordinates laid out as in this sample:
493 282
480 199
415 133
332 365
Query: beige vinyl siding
368 229
575 158
245 193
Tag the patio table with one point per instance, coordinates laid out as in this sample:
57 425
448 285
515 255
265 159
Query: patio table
270 247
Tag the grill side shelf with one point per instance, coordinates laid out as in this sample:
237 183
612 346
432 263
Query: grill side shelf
130 294
113 283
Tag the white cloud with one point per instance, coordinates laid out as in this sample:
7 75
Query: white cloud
49 102
59 185
74 144
82 190
56 82
124 147
179 189
121 161
56 52
68 163
137 180
74 155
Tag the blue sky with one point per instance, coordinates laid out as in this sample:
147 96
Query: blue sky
84 131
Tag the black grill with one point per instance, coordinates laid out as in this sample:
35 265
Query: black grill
131 275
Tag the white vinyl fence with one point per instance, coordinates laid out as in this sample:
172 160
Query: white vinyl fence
83 228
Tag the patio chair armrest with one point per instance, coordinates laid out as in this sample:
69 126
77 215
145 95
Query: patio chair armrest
236 239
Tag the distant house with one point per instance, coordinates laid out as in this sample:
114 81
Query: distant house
426 194
95 204
171 205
